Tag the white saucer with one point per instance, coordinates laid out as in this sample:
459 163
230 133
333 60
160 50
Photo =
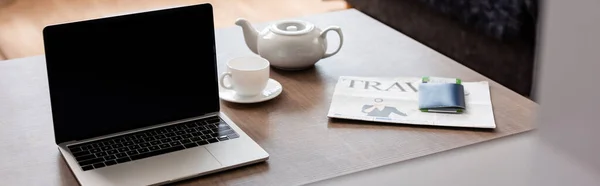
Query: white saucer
272 90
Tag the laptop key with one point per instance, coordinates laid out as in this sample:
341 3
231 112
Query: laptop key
201 128
186 136
100 154
214 135
225 132
99 165
130 138
91 161
87 167
223 126
180 132
145 145
202 142
212 140
123 160
129 143
155 142
197 134
110 157
134 147
116 146
151 133
124 149
207 132
189 131
86 157
176 138
114 151
181 127
196 139
95 150
149 139
120 155
222 138
121 140
190 145
153 148
143 150
190 125
169 130
133 152
160 136
234 135
166 145
175 143
138 141
140 136
166 140
81 153
110 162
171 134
105 148
185 141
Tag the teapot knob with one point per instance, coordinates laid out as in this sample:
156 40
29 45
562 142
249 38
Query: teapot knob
291 28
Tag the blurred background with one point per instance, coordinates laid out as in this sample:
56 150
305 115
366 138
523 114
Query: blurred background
22 21
496 38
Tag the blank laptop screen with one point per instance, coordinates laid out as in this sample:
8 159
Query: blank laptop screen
114 74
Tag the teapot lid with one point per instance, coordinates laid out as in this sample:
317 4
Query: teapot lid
292 27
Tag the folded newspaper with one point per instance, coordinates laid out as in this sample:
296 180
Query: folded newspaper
395 100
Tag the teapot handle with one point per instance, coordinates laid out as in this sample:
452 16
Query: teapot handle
324 36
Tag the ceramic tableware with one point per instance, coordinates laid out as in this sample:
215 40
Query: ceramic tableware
290 44
247 76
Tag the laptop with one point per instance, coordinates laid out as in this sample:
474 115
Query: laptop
135 101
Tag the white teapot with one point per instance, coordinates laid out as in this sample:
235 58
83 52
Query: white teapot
289 44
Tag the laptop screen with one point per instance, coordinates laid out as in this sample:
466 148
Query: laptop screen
125 72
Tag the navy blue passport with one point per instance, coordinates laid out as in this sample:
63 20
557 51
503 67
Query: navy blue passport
442 97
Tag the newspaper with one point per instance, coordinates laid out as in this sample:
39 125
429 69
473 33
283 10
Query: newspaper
395 100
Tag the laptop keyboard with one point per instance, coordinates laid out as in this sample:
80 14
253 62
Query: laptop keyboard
152 142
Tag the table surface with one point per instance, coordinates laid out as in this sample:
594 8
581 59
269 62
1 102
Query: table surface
524 159
305 146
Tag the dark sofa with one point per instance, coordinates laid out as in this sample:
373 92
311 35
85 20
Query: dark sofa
493 37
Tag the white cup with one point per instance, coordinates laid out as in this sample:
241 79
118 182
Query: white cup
248 76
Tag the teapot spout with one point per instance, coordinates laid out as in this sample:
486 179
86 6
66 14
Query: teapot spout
250 34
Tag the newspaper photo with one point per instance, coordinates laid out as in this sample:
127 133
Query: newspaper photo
395 100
